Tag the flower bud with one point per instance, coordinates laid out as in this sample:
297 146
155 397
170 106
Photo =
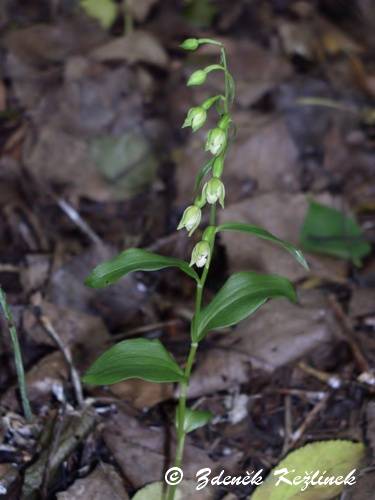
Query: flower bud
190 219
190 44
195 118
214 191
197 78
218 166
216 141
200 254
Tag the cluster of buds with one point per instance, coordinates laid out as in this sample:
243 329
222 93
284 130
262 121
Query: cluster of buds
216 143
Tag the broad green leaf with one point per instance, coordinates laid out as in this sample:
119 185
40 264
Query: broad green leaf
265 235
133 259
195 419
241 296
326 230
105 11
135 358
330 458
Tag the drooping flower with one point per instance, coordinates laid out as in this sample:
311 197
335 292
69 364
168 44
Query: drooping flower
195 118
190 219
200 254
214 190
216 141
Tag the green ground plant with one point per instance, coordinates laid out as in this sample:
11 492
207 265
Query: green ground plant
240 296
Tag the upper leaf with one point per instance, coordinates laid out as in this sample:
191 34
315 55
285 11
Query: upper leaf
194 419
241 295
134 259
134 358
326 230
265 235
332 458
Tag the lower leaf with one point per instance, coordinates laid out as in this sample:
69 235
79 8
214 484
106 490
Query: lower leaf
135 358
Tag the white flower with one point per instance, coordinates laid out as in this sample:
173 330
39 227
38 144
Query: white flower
190 219
216 141
200 254
195 118
214 191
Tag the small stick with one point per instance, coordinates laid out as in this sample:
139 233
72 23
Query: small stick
349 334
67 356
297 435
287 422
17 356
332 380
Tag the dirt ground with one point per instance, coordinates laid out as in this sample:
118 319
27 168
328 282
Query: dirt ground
93 160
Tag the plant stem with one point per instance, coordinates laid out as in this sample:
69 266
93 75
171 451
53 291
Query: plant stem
128 18
17 356
183 387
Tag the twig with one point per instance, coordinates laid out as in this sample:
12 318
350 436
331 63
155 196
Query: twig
297 435
76 382
287 422
17 356
332 380
57 430
144 329
349 334
75 217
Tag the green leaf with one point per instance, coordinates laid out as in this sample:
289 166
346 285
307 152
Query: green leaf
325 230
333 458
133 259
203 171
195 419
265 235
241 296
105 11
135 358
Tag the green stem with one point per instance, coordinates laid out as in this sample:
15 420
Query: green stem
183 387
128 18
17 356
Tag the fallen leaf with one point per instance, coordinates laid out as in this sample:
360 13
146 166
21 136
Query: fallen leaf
281 332
103 483
142 394
327 230
138 46
139 450
140 8
105 11
281 214
331 458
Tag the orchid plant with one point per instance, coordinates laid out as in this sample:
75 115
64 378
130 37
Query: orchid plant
240 296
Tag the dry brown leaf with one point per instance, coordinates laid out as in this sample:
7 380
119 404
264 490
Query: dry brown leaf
281 332
142 394
140 8
139 450
104 483
282 214
139 46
